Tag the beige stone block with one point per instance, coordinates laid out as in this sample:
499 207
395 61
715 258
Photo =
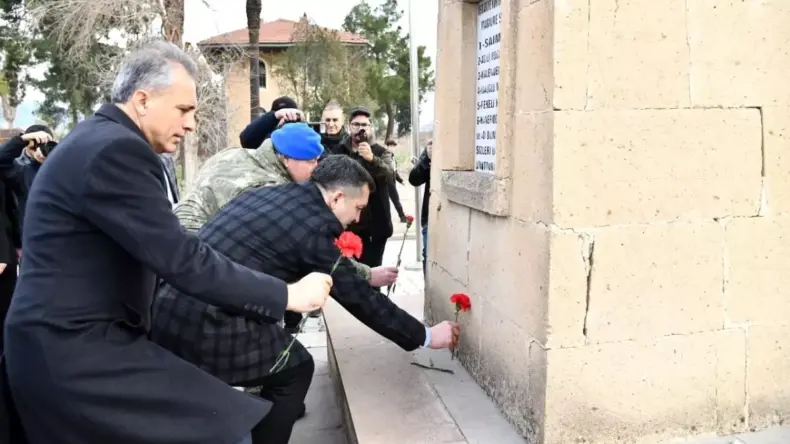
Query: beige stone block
655 280
757 251
571 53
638 166
508 268
441 286
512 371
776 134
569 262
740 52
449 242
455 80
626 391
534 88
769 365
531 198
638 54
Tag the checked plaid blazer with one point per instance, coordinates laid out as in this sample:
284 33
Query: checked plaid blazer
286 231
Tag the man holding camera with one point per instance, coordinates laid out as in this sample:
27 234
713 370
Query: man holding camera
20 159
375 223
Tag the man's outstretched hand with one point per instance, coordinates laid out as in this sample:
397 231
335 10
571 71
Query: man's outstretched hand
445 335
383 276
310 293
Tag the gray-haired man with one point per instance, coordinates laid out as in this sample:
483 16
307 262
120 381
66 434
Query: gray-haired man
79 362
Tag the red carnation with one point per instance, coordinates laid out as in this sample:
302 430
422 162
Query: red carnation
409 220
461 301
349 244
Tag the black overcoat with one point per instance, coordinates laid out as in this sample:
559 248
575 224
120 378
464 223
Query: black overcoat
98 230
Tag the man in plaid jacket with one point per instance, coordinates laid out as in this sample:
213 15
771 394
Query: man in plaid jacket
286 231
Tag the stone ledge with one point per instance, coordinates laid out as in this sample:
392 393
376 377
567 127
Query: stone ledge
386 400
483 192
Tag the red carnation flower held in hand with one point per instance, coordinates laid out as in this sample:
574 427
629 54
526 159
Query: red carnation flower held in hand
462 303
409 220
350 245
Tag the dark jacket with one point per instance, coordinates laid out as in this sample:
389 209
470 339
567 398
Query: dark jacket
421 175
256 229
376 220
332 143
80 365
18 172
258 130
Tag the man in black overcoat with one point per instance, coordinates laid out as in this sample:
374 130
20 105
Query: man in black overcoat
98 230
287 231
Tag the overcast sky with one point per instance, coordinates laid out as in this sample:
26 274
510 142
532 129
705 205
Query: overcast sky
206 18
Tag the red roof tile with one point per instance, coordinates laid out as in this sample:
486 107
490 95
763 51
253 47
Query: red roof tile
276 33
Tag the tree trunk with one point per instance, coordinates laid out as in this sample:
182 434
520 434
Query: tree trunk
9 112
173 30
254 30
390 121
173 27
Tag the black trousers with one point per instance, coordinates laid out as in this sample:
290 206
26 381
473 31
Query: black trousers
286 389
392 188
372 251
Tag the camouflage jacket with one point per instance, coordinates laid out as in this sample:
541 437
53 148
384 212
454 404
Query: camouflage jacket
225 176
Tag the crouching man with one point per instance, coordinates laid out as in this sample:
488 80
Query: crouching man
286 231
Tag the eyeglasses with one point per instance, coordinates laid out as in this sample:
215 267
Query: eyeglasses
357 125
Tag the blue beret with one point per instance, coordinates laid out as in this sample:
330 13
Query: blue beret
297 141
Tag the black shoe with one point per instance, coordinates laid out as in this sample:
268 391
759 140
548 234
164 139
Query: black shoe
315 313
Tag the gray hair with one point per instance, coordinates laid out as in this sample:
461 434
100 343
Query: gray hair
150 67
333 105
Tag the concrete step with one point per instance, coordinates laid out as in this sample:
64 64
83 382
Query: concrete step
388 400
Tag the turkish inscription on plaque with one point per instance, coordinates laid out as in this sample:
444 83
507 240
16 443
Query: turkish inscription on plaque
489 25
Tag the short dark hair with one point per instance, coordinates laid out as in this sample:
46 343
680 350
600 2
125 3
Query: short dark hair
390 142
283 103
358 111
340 171
37 128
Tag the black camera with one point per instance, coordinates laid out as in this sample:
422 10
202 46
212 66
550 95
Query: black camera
362 136
47 147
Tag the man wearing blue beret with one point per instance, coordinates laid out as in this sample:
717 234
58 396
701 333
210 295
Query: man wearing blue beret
290 155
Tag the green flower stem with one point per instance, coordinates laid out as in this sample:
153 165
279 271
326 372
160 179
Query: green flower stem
452 352
282 359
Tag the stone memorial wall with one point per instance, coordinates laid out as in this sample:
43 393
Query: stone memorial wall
622 222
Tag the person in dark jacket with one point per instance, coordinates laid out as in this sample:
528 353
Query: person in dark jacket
80 366
20 161
334 129
421 175
375 223
393 187
8 257
284 109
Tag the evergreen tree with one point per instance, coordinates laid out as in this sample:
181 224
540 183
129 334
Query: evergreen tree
388 61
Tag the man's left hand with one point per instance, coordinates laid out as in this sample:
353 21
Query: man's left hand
383 276
365 151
